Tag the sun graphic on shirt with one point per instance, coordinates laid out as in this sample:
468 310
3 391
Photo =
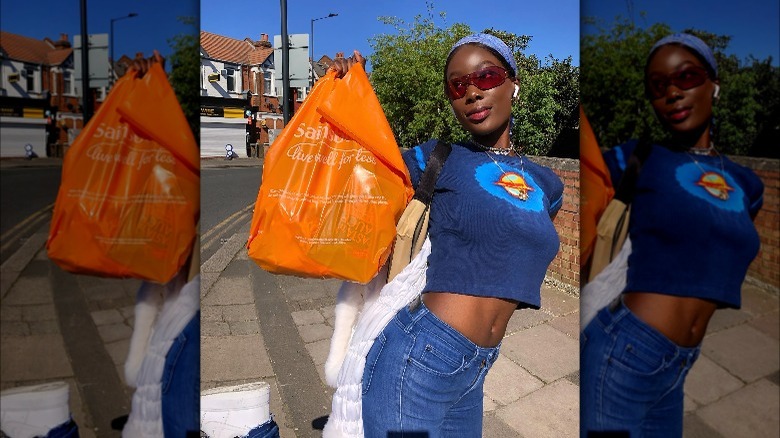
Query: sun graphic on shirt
715 185
515 185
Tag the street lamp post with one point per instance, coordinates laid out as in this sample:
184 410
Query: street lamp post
311 80
111 47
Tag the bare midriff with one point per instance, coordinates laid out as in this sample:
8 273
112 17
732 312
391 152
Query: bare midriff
482 320
683 320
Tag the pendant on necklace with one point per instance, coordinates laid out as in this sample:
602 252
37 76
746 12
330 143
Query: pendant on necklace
715 184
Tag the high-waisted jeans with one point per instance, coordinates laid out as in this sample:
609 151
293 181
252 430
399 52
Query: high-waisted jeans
424 378
631 377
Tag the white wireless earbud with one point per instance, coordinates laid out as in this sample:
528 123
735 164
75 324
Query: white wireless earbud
517 90
716 93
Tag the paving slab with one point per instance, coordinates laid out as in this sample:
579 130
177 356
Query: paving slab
526 318
756 301
494 427
225 358
315 332
114 332
544 351
39 312
32 358
29 290
319 351
508 381
306 317
230 290
568 325
726 318
557 302
553 411
708 382
749 412
239 312
244 327
694 427
214 328
104 317
769 324
744 351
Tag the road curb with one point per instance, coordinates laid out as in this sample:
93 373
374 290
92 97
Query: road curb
13 267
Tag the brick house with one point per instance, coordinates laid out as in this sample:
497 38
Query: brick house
40 99
236 76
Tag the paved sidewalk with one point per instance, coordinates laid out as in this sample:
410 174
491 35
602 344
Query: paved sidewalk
59 326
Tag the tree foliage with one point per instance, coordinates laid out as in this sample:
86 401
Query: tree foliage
185 73
746 116
408 77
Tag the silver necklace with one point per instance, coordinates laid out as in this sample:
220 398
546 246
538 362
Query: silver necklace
721 190
704 151
497 150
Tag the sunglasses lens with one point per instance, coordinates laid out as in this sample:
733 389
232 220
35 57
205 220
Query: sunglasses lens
685 79
484 79
458 88
489 78
689 78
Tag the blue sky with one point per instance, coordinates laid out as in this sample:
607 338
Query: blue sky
155 24
553 24
754 25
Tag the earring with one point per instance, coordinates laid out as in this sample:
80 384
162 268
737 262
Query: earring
517 90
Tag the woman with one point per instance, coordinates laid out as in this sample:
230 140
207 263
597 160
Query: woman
492 239
692 240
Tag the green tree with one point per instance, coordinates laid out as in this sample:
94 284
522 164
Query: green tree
408 77
185 73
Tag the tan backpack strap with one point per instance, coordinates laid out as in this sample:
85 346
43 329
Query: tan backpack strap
413 225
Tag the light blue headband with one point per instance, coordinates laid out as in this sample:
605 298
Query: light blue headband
489 41
691 42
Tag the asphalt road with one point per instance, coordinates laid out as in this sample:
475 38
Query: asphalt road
227 196
27 195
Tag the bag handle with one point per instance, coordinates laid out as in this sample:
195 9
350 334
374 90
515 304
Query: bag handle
424 192
627 186
412 227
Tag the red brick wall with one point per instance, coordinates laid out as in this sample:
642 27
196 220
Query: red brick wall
565 268
766 267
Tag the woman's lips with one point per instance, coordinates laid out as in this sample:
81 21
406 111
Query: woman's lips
679 115
478 114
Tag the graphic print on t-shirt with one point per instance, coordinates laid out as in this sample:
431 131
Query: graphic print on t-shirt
712 186
510 184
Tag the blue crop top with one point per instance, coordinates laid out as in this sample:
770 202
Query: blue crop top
691 227
485 240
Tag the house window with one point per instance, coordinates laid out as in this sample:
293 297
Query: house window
267 82
30 74
67 83
231 79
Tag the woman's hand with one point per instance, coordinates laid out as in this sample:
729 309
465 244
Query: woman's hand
341 64
142 65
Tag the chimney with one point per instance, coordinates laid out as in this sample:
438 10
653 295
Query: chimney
63 42
263 37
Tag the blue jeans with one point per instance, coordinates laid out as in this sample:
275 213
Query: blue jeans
64 430
269 429
181 382
423 378
632 376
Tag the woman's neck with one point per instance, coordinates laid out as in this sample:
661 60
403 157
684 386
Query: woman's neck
699 139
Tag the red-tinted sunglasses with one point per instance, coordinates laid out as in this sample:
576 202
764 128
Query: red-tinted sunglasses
685 79
485 79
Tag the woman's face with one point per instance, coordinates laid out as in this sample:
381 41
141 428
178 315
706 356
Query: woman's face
682 111
483 113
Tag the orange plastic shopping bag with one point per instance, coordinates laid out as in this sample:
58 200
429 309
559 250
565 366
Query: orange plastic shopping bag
129 197
334 185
